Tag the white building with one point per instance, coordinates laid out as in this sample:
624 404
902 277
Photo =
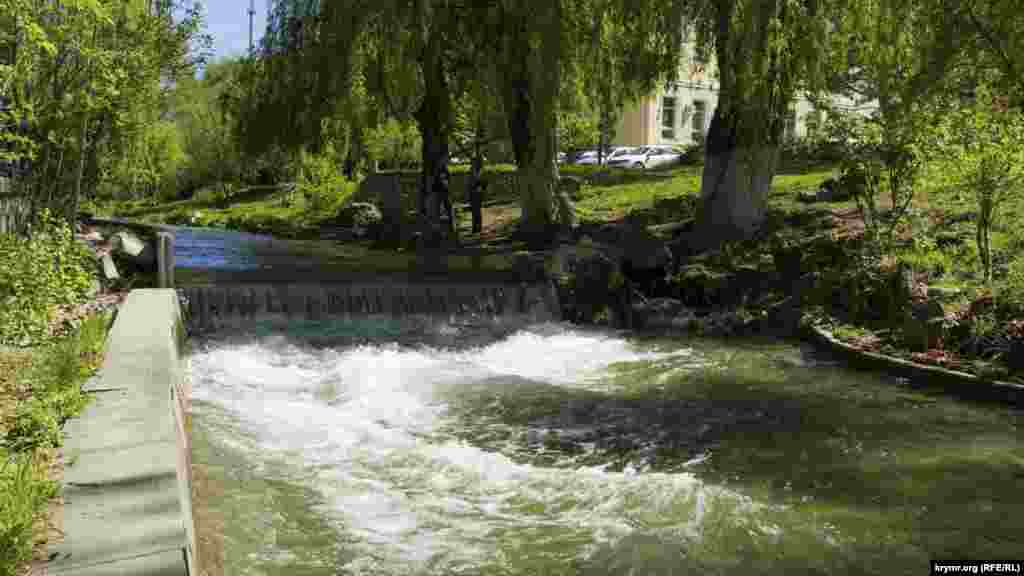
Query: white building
680 113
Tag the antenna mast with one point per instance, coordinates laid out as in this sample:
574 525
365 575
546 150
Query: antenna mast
252 13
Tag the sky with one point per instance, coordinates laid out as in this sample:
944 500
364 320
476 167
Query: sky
228 22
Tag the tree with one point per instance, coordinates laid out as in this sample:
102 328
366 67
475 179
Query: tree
534 47
765 52
80 79
980 157
395 142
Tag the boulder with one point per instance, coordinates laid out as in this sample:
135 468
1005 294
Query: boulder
697 286
135 250
589 281
656 311
108 267
923 326
362 217
807 196
1015 357
832 190
638 248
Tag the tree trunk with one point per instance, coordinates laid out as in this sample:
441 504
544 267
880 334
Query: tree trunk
532 92
734 186
433 120
476 186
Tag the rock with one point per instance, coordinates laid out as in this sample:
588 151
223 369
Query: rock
807 196
361 217
698 286
129 244
656 311
134 250
673 229
1015 357
787 262
635 246
832 190
923 326
109 269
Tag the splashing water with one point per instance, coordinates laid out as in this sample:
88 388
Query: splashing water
444 450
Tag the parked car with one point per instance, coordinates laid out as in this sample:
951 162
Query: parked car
645 157
590 156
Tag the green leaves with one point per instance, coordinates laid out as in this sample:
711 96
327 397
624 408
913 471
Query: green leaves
47 269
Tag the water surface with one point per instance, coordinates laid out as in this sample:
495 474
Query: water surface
386 448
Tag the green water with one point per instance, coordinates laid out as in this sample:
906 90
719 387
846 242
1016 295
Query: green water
556 451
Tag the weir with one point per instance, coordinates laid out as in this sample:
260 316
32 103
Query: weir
211 307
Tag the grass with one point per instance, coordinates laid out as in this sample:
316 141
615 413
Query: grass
40 389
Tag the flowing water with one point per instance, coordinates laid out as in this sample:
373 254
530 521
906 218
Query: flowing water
400 448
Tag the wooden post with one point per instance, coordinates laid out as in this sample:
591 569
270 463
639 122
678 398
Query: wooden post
165 259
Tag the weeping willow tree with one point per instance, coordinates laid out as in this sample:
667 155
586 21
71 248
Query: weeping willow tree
535 47
765 52
413 58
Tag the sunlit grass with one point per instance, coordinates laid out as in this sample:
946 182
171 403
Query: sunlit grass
40 389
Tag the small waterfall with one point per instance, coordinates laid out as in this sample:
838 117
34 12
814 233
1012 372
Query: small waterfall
213 307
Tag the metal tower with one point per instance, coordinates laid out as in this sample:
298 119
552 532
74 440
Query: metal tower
252 14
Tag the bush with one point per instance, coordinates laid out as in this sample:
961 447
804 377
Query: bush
47 269
693 154
803 153
320 182
24 492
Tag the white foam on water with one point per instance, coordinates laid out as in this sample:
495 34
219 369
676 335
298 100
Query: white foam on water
367 419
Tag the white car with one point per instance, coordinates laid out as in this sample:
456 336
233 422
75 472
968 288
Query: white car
590 156
646 157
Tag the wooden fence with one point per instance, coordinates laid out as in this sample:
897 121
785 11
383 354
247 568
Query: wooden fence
14 210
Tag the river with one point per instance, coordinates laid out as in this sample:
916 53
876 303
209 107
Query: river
386 447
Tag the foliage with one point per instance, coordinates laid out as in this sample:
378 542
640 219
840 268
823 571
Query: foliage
47 269
980 157
24 494
205 119
397 143
87 87
881 155
320 182
52 379
150 167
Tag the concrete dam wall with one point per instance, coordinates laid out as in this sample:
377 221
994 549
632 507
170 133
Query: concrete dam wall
215 306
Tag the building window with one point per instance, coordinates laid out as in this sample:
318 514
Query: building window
668 117
789 128
700 109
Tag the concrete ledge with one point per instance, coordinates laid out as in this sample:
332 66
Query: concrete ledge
210 308
127 488
958 383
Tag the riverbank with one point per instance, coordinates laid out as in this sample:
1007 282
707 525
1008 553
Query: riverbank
806 259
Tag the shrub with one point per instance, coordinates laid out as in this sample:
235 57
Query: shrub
693 154
49 268
320 182
24 491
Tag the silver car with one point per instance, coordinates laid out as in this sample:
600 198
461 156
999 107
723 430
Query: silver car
644 157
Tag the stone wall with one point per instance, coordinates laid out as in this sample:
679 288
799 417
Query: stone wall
212 307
